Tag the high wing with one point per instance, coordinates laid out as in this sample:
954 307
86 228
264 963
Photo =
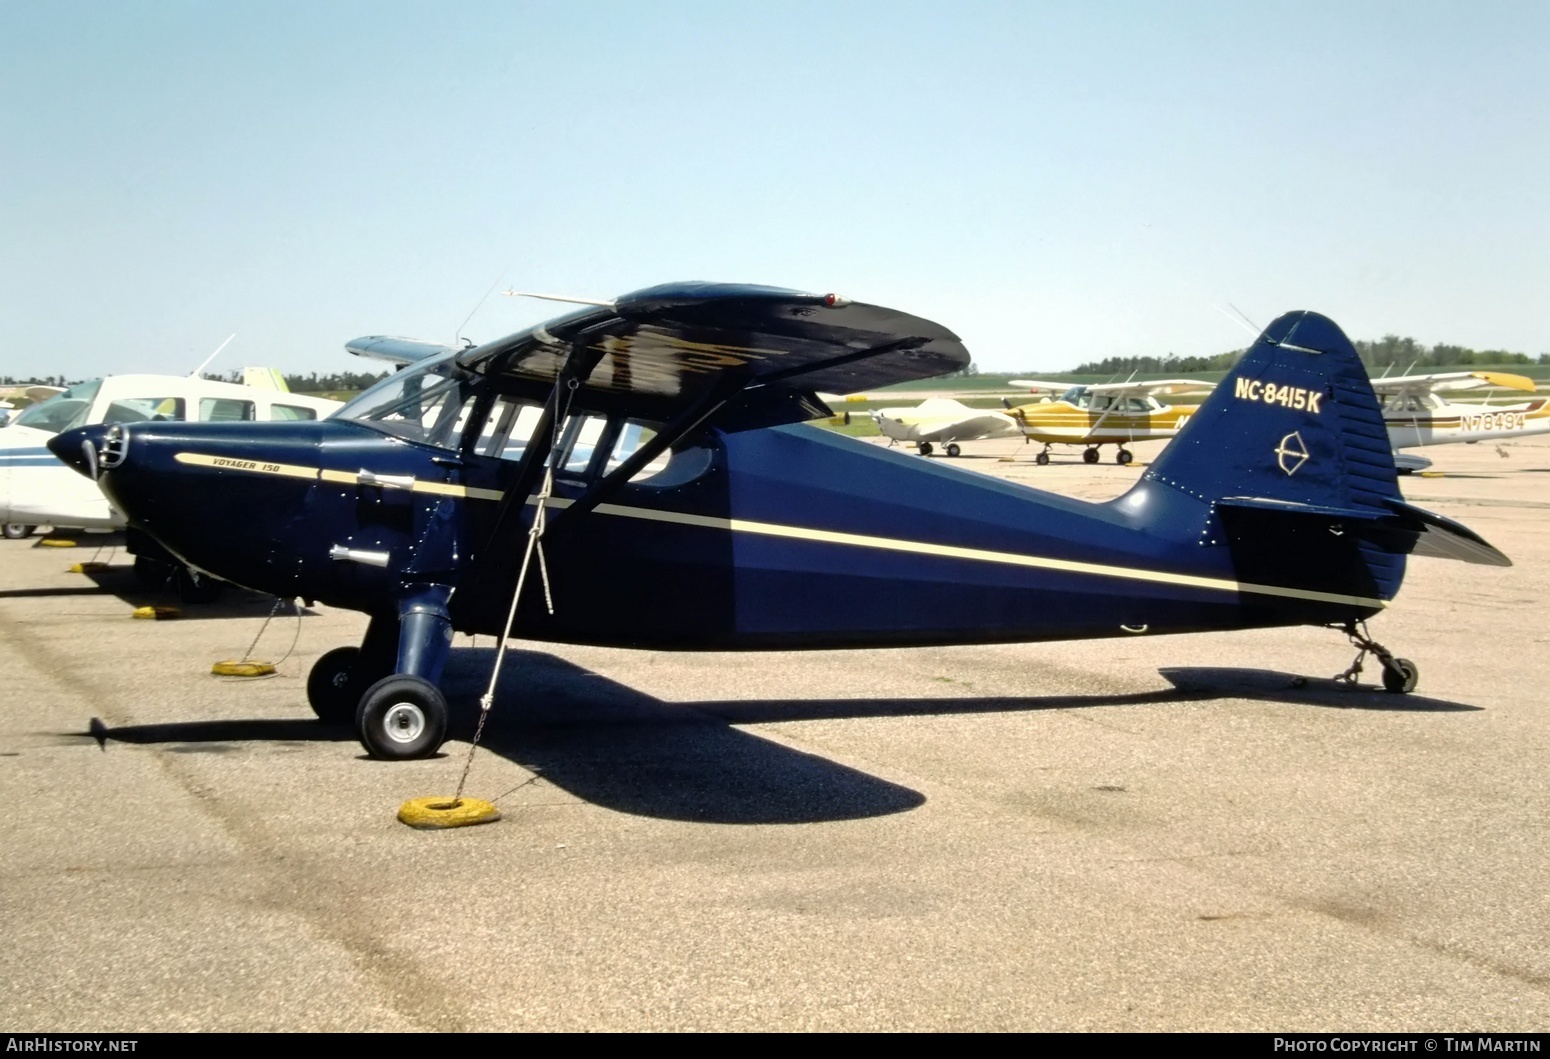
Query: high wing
749 356
1138 388
400 351
943 419
1447 381
984 425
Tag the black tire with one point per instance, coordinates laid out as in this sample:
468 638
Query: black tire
1042 459
333 686
18 531
1123 457
1400 676
925 448
197 588
1090 456
953 450
151 573
401 718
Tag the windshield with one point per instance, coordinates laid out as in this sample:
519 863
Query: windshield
426 404
61 412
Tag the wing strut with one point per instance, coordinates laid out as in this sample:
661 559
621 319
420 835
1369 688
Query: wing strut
692 418
578 365
670 435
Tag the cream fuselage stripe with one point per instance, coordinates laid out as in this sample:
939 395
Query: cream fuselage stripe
770 529
226 463
856 540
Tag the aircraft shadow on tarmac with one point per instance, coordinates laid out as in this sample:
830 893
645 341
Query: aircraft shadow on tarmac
1264 684
120 580
616 747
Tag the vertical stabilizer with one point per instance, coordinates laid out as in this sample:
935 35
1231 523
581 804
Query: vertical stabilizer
1296 420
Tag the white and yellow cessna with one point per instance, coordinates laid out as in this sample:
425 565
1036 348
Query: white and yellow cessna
1110 413
1417 416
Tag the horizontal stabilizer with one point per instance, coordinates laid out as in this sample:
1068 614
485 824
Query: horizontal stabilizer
1445 539
1404 529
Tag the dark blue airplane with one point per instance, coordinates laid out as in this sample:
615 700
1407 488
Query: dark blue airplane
684 506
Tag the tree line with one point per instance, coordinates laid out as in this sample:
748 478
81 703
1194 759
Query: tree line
313 383
1389 352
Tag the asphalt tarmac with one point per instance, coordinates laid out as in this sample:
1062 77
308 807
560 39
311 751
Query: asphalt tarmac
1171 833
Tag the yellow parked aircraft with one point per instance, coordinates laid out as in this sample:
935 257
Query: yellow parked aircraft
1110 413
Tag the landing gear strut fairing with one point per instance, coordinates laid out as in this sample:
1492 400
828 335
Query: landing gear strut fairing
686 507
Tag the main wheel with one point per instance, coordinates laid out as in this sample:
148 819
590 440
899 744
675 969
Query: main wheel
1123 457
925 448
1042 459
1090 456
401 717
1401 676
333 685
953 450
151 573
16 531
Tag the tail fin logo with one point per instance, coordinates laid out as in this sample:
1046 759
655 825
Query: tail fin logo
1292 453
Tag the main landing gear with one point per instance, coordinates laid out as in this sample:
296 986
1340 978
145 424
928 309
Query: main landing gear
387 686
926 448
1089 455
1400 675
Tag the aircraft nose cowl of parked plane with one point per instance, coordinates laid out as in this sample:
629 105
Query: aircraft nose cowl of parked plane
81 448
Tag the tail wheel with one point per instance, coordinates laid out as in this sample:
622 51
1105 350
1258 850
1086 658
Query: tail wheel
1090 456
1123 457
953 450
401 718
1400 676
16 531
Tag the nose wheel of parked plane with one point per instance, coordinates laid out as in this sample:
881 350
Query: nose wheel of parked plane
1042 459
1123 457
1090 455
1400 675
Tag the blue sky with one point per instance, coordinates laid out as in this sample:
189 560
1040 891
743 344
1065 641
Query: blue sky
1055 182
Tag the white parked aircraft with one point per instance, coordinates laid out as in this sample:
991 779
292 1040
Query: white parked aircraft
942 421
36 489
1416 416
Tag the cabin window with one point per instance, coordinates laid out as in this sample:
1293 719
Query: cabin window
225 410
507 429
144 409
291 412
427 405
579 442
63 411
